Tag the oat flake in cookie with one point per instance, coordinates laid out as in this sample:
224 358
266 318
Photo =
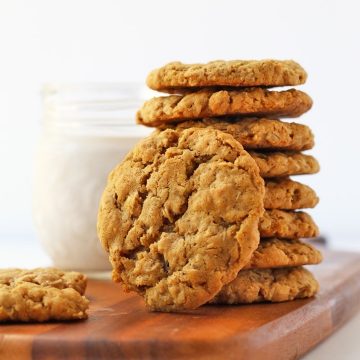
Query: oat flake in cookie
179 216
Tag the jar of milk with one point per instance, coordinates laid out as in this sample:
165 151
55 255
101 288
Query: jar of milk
87 130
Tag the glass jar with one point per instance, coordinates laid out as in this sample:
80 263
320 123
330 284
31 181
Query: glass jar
87 130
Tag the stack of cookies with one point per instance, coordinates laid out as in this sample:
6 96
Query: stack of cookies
204 210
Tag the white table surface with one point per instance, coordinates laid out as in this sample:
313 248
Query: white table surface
343 344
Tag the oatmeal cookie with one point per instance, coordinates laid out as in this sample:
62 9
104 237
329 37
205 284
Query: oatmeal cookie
286 194
41 295
46 277
280 164
287 225
274 285
179 216
253 133
178 77
276 253
206 103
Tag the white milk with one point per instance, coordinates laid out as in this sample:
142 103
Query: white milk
83 140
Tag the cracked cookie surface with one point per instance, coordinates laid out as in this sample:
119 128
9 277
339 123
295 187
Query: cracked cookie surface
274 285
287 225
179 216
276 253
42 294
286 194
177 76
205 103
253 133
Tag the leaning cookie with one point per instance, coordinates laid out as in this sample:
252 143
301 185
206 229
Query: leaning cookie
274 285
277 253
178 77
206 103
179 216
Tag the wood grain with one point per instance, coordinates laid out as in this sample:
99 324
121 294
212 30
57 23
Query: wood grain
119 326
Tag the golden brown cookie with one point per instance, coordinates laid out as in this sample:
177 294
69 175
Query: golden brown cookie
207 103
287 225
277 164
46 277
41 295
275 253
176 76
179 216
255 133
275 285
286 194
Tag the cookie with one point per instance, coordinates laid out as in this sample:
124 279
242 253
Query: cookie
253 133
275 253
41 295
206 103
45 277
274 285
286 194
279 164
287 225
177 77
28 302
179 216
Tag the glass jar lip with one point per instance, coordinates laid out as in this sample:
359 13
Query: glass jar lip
56 87
96 107
62 95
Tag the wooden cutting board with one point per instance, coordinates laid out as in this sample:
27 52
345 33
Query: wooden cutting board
119 326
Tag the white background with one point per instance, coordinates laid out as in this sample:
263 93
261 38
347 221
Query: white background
42 41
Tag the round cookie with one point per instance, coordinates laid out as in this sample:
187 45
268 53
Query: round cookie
253 133
31 302
276 253
274 285
179 216
177 77
42 294
287 225
206 103
46 277
277 164
286 194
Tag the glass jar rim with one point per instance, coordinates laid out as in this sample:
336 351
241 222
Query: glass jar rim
56 87
93 106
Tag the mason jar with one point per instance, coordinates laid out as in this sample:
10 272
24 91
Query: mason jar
87 130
